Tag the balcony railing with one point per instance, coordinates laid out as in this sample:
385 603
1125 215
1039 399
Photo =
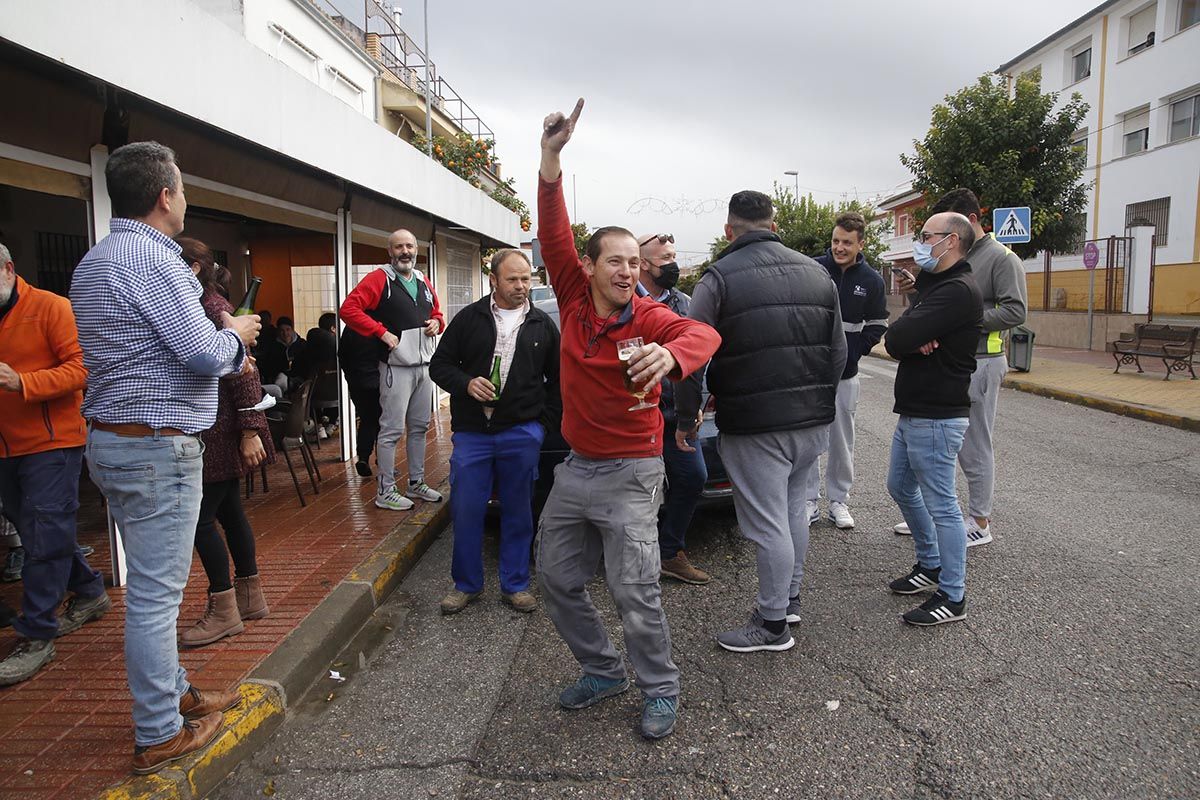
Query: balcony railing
396 52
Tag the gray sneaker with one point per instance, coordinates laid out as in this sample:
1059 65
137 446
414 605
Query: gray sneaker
754 636
421 491
589 690
29 656
13 564
793 610
82 610
658 716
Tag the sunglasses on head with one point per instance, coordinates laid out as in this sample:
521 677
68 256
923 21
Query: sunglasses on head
663 238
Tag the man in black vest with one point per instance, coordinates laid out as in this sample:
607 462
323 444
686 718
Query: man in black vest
774 378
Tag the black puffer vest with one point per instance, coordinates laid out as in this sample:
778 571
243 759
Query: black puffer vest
774 369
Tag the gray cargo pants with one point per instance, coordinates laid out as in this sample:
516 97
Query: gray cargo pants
976 457
769 472
609 507
839 466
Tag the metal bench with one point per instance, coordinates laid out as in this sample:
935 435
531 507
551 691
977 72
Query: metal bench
1176 347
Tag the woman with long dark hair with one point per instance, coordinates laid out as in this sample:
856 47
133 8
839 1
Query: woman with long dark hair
239 441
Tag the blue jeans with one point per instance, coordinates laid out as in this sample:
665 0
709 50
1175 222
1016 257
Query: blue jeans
40 493
153 485
507 461
686 474
921 481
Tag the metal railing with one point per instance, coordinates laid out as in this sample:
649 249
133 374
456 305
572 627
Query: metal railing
1067 283
405 60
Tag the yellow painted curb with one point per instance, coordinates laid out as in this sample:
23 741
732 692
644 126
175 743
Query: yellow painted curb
261 706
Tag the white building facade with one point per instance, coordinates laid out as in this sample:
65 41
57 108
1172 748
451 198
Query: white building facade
1137 65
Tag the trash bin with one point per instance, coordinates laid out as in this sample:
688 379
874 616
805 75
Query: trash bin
1020 348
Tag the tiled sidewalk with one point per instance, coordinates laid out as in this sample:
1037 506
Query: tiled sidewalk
67 733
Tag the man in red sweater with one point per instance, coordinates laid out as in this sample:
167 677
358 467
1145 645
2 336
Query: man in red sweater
397 306
607 492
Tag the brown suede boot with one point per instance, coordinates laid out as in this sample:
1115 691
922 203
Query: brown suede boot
250 601
220 619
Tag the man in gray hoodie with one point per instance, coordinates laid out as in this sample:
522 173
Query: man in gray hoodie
1001 278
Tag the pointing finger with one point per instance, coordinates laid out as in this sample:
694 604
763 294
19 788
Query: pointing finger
578 109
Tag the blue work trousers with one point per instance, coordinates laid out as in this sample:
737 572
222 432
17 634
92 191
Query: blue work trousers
40 493
505 462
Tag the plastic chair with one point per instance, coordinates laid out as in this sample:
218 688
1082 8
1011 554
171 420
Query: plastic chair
288 433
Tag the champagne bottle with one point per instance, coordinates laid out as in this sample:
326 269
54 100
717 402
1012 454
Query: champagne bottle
495 381
247 304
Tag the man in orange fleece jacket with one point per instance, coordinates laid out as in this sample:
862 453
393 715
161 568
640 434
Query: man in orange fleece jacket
41 449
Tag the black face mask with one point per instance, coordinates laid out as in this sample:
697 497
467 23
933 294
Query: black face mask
669 276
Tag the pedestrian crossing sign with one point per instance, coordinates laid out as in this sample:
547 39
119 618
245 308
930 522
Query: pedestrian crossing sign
1011 225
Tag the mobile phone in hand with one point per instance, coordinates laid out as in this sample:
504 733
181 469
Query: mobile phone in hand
908 276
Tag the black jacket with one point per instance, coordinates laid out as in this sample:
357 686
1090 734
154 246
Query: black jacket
948 308
864 307
531 389
782 347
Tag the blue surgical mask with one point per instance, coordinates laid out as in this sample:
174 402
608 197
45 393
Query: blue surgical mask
923 254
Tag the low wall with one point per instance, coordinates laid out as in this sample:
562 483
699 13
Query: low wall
1069 328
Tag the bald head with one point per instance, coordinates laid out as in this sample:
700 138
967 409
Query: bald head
657 250
951 236
402 250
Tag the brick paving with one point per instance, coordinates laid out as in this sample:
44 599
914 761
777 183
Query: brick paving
67 734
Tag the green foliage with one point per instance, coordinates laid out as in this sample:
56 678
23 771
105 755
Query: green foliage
513 203
806 225
687 283
582 234
1011 151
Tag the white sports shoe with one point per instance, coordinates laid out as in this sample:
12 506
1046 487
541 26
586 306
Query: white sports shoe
902 529
392 500
421 491
840 514
810 508
975 534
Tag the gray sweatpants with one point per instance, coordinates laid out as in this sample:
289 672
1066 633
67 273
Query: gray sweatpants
976 457
839 465
769 472
609 507
406 397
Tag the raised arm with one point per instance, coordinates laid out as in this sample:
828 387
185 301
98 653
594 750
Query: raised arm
554 226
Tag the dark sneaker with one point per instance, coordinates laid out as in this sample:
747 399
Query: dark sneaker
936 610
754 636
658 716
589 690
793 610
916 581
29 656
13 565
363 469
82 610
7 614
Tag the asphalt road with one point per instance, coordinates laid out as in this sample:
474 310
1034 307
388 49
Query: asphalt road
1075 675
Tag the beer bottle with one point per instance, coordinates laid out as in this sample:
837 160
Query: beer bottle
495 381
247 305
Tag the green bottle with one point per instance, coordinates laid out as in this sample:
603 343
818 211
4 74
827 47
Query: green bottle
247 305
495 381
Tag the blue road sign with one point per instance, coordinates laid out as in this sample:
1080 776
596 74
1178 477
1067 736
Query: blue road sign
1011 225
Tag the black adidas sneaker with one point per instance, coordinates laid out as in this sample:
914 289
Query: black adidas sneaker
936 610
917 581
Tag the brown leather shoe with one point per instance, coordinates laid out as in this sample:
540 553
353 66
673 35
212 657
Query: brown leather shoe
456 601
195 735
195 703
681 569
520 601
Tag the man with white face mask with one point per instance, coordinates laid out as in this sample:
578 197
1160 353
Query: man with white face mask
397 305
934 341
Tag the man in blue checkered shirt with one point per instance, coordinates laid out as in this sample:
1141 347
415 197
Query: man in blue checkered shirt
153 361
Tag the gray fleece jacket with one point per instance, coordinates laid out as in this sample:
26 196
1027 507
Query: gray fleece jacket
1001 280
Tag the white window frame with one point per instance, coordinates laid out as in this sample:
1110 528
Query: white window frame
1071 54
1131 117
1178 20
1194 98
1080 139
1132 49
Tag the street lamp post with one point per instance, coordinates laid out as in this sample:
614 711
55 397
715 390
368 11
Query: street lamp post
795 175
428 88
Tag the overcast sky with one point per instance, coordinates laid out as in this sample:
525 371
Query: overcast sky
688 102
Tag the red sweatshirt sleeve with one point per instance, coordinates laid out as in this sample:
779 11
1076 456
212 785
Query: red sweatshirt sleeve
366 296
437 307
558 243
690 341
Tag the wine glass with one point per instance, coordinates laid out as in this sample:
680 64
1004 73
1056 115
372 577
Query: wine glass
625 350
